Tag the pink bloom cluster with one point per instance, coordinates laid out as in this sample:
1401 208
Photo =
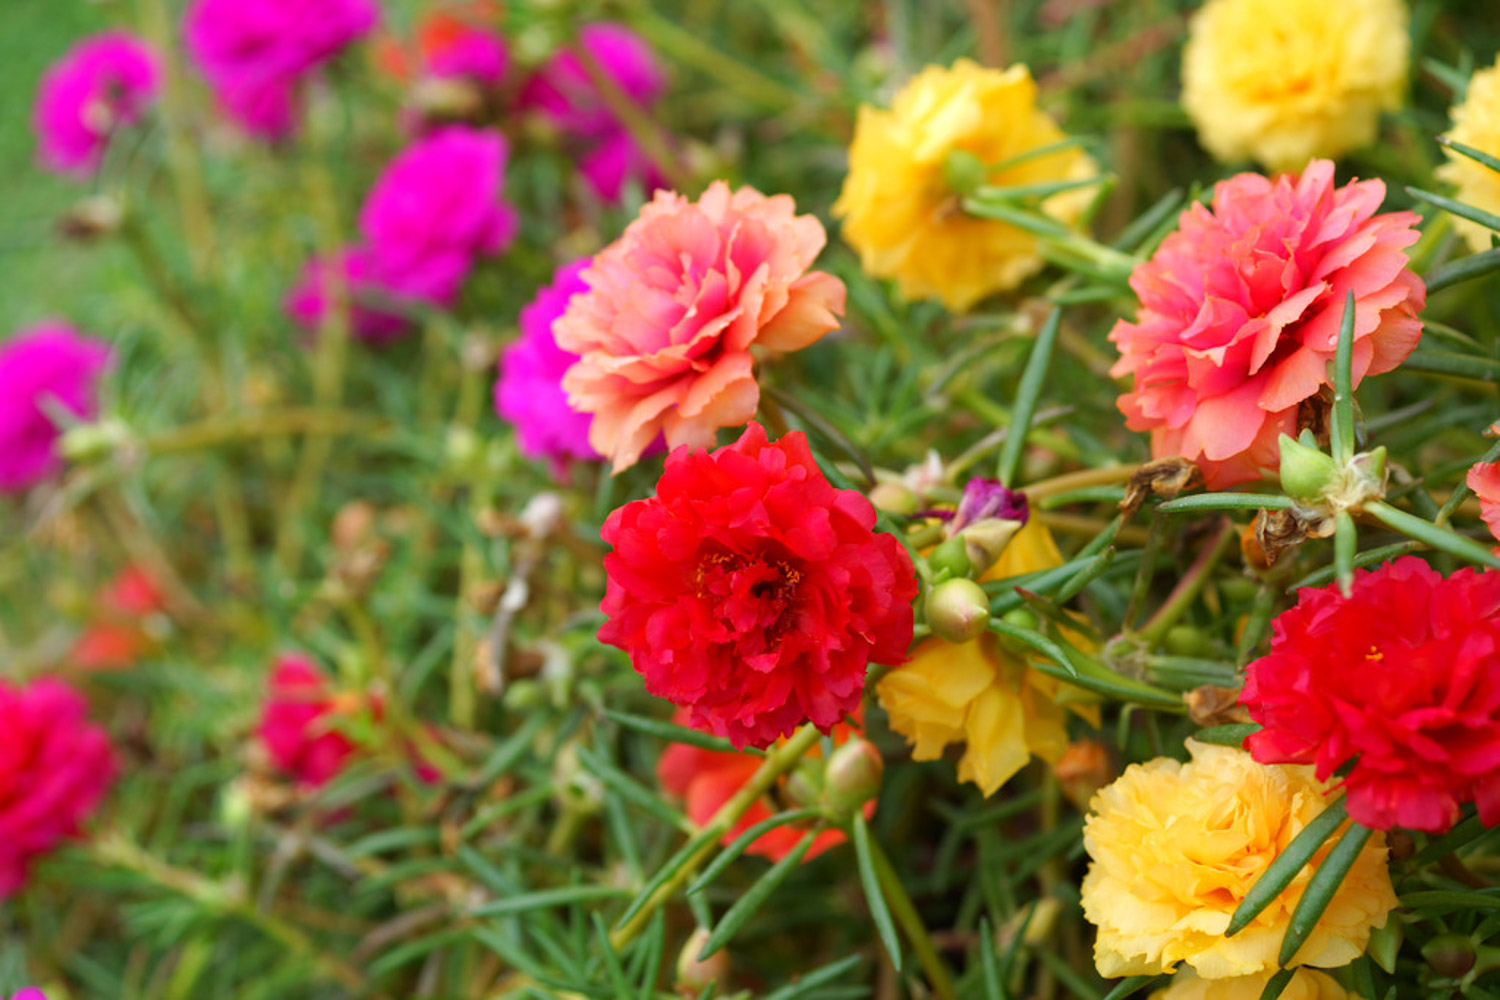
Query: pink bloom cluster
563 92
1240 314
257 53
54 769
296 724
104 84
49 365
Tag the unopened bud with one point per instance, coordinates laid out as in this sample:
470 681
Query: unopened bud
804 786
853 776
447 98
895 498
1306 473
958 610
964 172
949 559
985 541
1450 955
695 975
86 442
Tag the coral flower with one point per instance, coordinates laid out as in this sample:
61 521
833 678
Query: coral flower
1484 480
979 694
899 211
256 53
104 84
1283 81
1176 847
45 370
298 723
1306 984
1240 315
1403 678
752 592
529 392
664 333
435 209
117 637
54 769
1476 123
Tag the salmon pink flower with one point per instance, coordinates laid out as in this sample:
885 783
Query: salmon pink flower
1484 480
1402 677
1241 308
751 592
298 723
54 769
104 84
673 306
46 369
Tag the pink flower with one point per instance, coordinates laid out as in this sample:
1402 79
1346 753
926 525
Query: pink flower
309 301
1484 480
298 723
47 366
435 209
673 306
256 53
104 84
529 392
1240 314
30 993
54 769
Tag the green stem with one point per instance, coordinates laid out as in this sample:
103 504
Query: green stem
1430 534
1189 587
290 422
910 921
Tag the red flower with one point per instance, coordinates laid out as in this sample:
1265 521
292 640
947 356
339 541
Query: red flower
117 637
706 779
1403 677
752 592
297 724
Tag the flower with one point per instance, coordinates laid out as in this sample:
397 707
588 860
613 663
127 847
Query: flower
1476 123
706 779
256 53
44 370
902 216
54 770
751 592
30 993
298 723
435 209
664 332
1484 480
1401 677
309 301
980 694
1175 847
453 41
117 636
1283 81
529 391
562 91
1240 315
1305 984
104 84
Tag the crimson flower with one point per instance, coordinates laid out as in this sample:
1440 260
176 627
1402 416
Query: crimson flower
1403 678
752 592
298 725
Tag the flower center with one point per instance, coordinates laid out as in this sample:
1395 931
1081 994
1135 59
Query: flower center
750 594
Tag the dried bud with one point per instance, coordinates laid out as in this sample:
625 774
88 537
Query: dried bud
695 976
91 219
1210 705
853 776
958 610
1164 477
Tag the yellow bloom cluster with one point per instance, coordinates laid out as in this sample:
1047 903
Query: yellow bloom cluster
979 694
1305 985
1284 81
899 210
1176 847
1476 122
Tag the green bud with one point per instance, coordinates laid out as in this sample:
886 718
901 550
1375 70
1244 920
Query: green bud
894 498
853 776
958 610
985 540
804 786
964 172
1306 473
1385 943
695 977
949 559
1021 618
89 442
1186 640
1450 955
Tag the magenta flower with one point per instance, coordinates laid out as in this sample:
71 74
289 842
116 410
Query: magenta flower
436 208
466 52
256 53
104 84
368 291
54 769
529 392
298 724
30 993
47 367
562 91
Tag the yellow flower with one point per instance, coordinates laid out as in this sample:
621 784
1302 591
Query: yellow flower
1176 847
1305 985
1476 122
1284 81
903 217
980 694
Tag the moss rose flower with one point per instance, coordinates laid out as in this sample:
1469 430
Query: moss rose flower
1403 677
1476 123
1240 314
298 724
54 769
104 83
664 332
752 592
1305 985
1484 480
1176 847
45 366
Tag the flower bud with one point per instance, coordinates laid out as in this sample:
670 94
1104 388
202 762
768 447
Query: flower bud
93 218
695 976
447 99
1306 473
958 610
964 172
1450 955
894 497
804 786
985 541
100 440
949 559
853 776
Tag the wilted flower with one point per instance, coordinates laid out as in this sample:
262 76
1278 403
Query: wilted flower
45 366
529 391
1476 123
664 332
752 592
298 724
54 769
1176 847
905 220
1306 984
1240 315
1283 81
104 84
256 53
1484 480
1399 677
